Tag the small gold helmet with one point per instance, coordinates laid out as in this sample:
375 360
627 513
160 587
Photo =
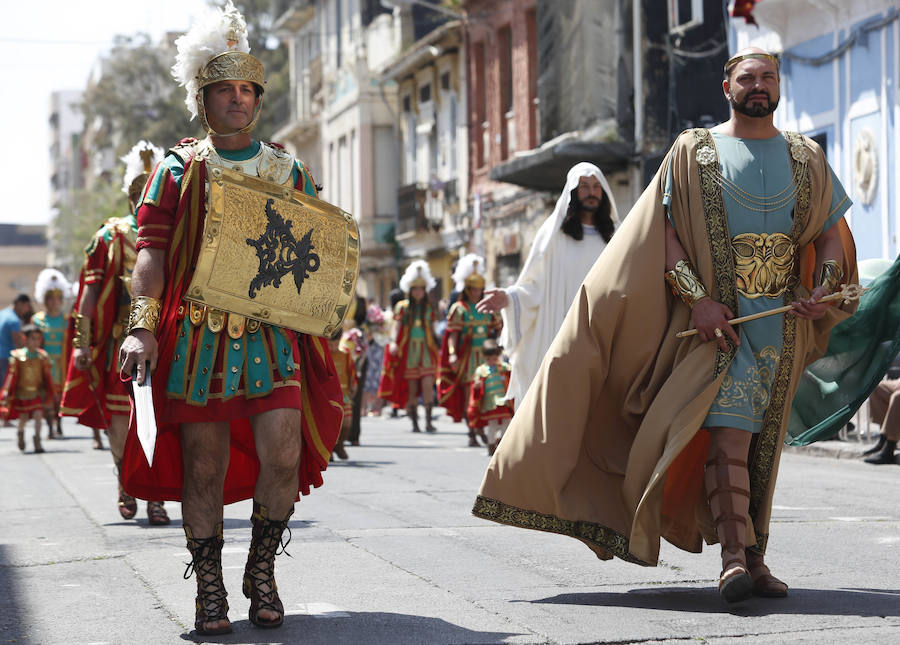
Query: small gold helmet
469 272
216 49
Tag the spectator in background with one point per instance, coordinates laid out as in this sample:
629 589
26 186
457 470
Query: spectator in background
884 409
11 336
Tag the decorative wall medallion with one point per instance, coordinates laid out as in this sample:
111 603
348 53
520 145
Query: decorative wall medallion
865 165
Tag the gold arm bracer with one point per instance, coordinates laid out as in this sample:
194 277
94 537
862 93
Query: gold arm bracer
685 284
144 314
832 274
82 336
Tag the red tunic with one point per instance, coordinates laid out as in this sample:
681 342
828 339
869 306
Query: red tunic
394 386
173 221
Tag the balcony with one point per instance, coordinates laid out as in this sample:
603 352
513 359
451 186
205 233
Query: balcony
411 209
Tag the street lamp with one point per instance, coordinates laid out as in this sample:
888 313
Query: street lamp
392 4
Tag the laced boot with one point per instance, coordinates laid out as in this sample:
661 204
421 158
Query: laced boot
37 442
729 505
212 598
259 574
429 426
413 412
886 456
877 447
20 439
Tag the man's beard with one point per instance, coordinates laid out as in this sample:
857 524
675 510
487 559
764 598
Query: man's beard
756 110
590 208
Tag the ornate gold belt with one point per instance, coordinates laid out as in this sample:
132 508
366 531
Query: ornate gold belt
764 264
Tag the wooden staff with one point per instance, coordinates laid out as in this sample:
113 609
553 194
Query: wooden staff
847 293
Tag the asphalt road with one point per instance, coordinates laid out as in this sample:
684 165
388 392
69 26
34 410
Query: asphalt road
387 552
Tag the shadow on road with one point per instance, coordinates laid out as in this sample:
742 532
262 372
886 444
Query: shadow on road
825 602
371 628
12 614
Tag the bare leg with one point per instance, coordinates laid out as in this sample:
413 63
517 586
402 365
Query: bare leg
278 438
20 431
37 415
412 403
204 450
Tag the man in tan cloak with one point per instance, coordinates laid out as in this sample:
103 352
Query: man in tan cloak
629 434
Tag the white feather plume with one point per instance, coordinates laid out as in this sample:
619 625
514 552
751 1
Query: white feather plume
47 280
418 269
467 265
134 165
208 37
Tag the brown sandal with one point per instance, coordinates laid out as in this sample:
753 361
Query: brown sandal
127 505
765 585
156 514
260 569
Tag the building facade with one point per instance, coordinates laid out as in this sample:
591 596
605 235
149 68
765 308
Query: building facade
839 70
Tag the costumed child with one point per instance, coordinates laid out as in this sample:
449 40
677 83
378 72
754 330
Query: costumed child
488 407
50 289
410 363
346 348
28 387
465 334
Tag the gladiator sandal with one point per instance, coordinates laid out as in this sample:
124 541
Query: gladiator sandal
156 514
429 426
37 443
413 412
765 584
473 442
730 516
212 598
259 574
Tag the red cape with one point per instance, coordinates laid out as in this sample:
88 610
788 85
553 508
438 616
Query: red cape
84 391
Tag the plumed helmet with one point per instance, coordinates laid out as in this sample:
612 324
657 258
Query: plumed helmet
216 49
417 274
50 281
469 272
139 162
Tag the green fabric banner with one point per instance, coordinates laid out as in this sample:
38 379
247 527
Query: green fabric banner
860 351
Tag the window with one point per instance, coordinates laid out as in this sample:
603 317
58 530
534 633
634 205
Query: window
407 103
425 93
445 81
684 14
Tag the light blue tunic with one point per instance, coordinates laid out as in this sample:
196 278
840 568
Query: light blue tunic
760 167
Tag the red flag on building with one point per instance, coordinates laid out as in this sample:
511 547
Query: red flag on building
744 9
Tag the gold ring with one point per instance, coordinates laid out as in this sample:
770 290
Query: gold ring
717 332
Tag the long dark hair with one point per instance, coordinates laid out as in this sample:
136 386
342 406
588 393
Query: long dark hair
572 225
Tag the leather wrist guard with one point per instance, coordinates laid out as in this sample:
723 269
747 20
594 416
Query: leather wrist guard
685 284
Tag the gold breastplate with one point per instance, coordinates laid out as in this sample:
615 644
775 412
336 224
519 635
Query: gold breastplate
764 264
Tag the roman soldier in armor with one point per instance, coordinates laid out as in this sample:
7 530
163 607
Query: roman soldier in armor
244 409
94 393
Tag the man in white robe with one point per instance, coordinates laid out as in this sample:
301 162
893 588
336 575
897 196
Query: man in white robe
564 249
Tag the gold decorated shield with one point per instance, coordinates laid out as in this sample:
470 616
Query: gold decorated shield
275 254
